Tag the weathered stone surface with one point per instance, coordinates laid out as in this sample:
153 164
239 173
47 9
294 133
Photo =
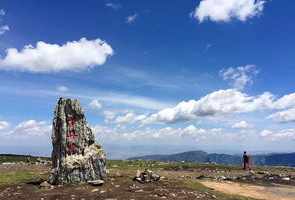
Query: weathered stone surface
75 156
45 184
146 176
96 182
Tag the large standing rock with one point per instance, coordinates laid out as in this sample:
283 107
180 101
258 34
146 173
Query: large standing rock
75 156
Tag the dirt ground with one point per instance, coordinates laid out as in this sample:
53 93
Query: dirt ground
275 192
119 189
118 186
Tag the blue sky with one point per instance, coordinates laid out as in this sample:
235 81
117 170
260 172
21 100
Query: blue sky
231 64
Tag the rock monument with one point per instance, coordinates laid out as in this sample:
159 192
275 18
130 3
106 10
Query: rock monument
76 157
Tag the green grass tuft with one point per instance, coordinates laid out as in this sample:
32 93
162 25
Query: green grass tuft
8 178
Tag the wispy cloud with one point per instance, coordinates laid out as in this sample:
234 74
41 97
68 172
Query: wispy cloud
239 77
131 18
2 12
4 29
114 6
107 97
62 88
136 101
140 77
207 47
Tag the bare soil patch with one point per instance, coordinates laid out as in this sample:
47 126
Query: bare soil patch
274 192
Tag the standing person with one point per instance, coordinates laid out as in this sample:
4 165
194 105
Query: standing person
246 161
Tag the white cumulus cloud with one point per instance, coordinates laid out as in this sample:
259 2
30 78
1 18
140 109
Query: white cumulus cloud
239 77
242 125
216 103
284 134
109 116
95 104
45 57
287 101
129 118
284 116
170 133
31 128
4 125
220 103
226 10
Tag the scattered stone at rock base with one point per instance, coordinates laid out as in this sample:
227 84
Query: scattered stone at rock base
95 190
146 176
75 156
286 179
96 182
45 184
118 174
253 177
263 172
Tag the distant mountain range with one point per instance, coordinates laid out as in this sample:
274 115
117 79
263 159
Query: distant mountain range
279 159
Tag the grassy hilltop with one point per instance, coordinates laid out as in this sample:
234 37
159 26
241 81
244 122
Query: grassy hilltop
180 180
